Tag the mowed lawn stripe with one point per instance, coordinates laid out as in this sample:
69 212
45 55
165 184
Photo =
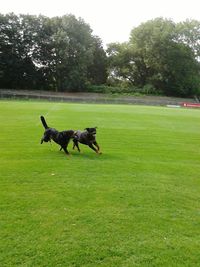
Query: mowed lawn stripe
137 204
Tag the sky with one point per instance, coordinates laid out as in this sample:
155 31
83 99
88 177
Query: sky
111 20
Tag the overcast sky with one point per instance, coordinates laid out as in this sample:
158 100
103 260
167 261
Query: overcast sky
111 20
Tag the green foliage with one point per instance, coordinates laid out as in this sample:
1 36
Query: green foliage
162 54
120 56
62 54
16 43
181 75
109 89
57 53
188 33
148 89
97 71
135 205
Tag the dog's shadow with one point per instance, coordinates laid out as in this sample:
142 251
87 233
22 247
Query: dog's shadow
85 155
93 156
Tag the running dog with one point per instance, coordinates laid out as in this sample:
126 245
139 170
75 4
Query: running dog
88 138
61 138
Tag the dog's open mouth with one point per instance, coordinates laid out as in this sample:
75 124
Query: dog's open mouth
93 133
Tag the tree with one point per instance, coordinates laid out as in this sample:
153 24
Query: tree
157 55
180 71
57 53
188 33
9 54
17 44
97 70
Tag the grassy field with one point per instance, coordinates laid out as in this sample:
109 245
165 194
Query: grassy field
137 204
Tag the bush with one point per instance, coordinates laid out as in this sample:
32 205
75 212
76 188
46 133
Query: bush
148 89
105 89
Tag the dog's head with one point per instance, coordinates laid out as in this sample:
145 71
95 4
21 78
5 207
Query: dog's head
47 136
91 131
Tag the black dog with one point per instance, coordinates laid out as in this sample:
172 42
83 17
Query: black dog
88 137
61 138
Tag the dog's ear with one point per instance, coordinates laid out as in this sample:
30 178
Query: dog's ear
87 129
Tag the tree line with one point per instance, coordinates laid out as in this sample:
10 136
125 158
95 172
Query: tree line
62 54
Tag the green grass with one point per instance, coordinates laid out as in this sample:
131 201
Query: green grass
137 204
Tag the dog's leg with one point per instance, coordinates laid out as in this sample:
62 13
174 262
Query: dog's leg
76 145
95 143
65 149
93 148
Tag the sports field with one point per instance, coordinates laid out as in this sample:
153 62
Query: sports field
137 204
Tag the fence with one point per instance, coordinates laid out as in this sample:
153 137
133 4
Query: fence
92 98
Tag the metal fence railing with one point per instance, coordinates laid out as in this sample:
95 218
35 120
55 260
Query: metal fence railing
91 98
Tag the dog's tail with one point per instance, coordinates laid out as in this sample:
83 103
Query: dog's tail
44 122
